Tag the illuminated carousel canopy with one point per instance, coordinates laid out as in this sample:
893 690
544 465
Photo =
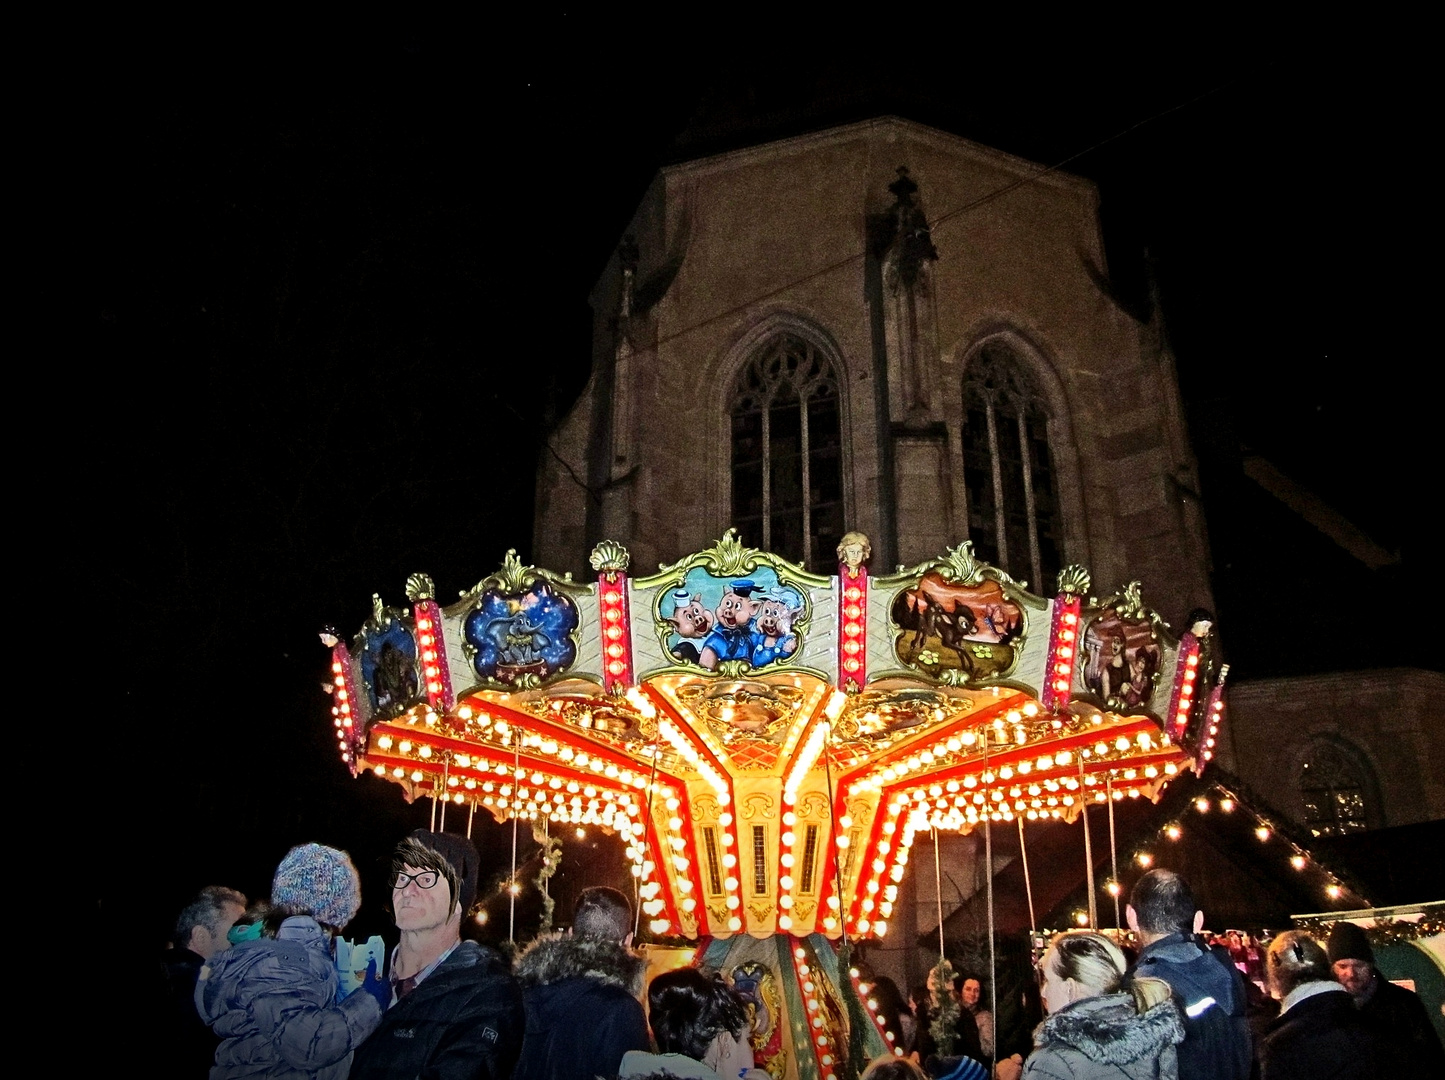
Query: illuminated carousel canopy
771 741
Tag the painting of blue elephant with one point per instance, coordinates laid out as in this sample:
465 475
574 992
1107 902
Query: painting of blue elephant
527 633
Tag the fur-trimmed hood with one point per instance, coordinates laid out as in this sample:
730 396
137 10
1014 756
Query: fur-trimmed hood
556 957
1107 1029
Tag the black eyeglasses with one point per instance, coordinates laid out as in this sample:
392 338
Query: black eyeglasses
424 880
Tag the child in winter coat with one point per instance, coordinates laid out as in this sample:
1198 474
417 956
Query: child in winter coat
272 1000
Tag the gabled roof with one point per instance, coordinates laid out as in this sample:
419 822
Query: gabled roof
889 128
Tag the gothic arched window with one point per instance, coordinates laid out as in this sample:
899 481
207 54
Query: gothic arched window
1333 786
1013 507
787 453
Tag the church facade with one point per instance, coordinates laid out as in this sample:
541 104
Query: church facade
885 328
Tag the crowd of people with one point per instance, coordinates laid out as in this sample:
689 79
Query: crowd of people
253 990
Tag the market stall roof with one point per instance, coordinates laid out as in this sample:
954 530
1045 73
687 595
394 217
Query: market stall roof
1248 867
772 740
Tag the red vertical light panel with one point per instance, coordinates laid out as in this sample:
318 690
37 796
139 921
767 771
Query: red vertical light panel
1063 652
616 630
1205 751
852 627
349 724
433 656
1186 683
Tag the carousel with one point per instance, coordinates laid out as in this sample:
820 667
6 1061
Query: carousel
770 742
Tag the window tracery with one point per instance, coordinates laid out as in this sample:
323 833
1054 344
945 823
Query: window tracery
787 452
1009 475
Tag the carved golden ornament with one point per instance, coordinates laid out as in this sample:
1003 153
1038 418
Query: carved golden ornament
734 669
882 715
419 587
512 578
718 914
803 909
379 617
1074 580
742 709
603 715
706 810
962 567
760 910
609 555
953 677
814 805
758 805
728 556
1129 602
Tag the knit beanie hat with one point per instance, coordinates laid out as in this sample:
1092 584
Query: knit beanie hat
321 880
1348 942
462 854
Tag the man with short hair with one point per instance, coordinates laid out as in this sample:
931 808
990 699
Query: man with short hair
1210 993
1408 1041
581 990
200 933
456 1011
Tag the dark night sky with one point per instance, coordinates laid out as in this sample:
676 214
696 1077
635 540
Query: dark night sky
334 290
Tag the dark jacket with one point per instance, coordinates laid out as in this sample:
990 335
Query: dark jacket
1106 1038
965 1041
186 1047
1211 997
462 1022
1319 1038
583 1013
1409 1046
273 1003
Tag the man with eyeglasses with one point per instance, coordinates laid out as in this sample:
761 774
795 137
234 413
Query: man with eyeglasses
456 1011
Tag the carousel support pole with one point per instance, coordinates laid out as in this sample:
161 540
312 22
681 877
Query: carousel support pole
1088 854
432 822
988 869
938 890
843 945
637 879
471 813
445 770
1028 884
1113 848
512 881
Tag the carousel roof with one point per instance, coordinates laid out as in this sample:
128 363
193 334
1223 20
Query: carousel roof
772 740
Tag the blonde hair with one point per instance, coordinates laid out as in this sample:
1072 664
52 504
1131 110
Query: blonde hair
1149 992
1090 959
1295 958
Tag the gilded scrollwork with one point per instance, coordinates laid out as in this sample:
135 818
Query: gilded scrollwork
814 805
706 810
758 805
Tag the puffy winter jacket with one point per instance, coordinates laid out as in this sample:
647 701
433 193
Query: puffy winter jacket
273 1003
1106 1038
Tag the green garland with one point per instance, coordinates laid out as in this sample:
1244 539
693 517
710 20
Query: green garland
944 1025
1385 931
551 856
